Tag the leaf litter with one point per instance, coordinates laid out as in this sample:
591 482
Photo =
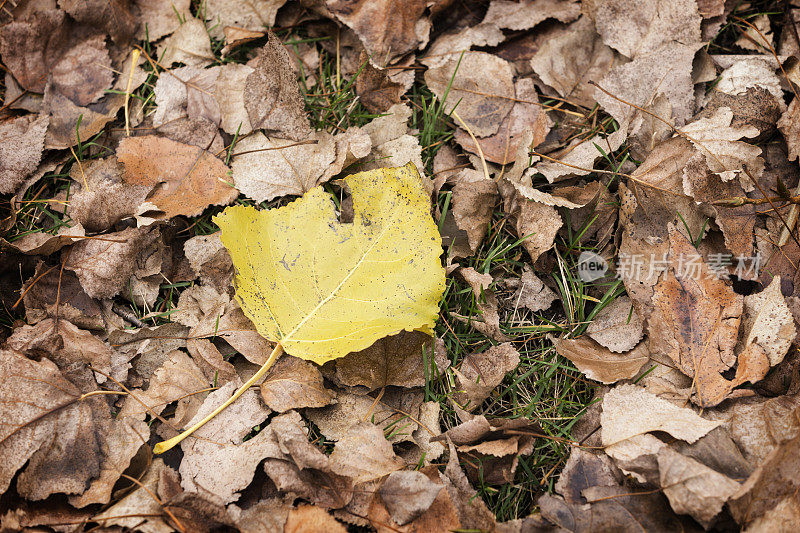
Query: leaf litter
422 388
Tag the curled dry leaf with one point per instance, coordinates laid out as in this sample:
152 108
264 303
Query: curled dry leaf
375 89
486 301
190 45
60 293
601 364
364 454
473 205
528 13
160 17
250 15
480 373
789 124
184 179
532 292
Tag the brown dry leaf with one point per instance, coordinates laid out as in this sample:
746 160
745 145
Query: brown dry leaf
629 411
397 410
71 444
229 94
113 18
100 197
210 261
37 516
528 13
473 205
692 488
220 442
480 373
617 326
266 168
31 47
74 304
750 72
139 509
184 179
401 360
408 494
148 348
737 223
577 158
375 89
388 29
526 115
695 322
307 518
364 454
637 28
768 327
535 222
104 266
772 488
21 145
570 58
471 509
451 44
190 45
193 92
272 95
482 89
789 124
70 122
493 447
251 15
532 292
84 72
594 497
425 451
294 383
161 17
489 321
601 364
759 39
725 155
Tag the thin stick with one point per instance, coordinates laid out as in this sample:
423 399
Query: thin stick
161 447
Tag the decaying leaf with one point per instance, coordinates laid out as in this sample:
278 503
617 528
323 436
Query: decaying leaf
293 383
190 45
527 14
184 179
21 145
617 326
600 363
480 373
408 494
368 250
489 321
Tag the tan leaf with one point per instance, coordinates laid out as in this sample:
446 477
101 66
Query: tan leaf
375 89
451 44
209 260
184 179
695 321
601 364
692 488
488 322
617 326
532 292
629 411
250 15
364 454
482 88
408 494
526 115
473 205
767 324
652 24
269 167
190 45
74 305
272 95
570 58
229 93
191 92
160 17
471 509
387 28
528 13
759 38
395 412
747 72
293 383
220 441
310 518
481 373
21 145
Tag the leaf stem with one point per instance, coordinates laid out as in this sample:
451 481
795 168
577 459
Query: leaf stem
161 447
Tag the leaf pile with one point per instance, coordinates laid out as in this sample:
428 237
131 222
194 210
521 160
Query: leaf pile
347 140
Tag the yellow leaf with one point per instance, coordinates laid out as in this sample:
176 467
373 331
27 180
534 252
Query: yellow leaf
323 288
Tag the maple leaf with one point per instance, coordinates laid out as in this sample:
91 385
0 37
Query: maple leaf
321 288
